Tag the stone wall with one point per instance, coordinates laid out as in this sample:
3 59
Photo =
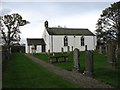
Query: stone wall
103 49
0 76
18 49
4 56
4 53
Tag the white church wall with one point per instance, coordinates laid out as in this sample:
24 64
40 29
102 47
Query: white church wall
95 41
30 49
91 42
46 38
73 41
58 43
70 42
26 47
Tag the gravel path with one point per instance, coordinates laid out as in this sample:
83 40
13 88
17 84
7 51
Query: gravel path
73 77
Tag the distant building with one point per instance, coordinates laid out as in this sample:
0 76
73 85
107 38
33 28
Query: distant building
57 39
35 45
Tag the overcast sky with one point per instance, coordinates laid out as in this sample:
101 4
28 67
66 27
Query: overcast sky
65 14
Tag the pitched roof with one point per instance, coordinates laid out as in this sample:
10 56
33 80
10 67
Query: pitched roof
35 41
69 31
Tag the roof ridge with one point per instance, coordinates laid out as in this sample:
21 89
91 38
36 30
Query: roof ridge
66 28
34 38
69 31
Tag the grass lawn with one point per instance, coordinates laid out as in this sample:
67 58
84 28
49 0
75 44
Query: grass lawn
21 72
102 73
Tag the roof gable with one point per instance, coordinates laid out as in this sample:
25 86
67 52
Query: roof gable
69 31
35 41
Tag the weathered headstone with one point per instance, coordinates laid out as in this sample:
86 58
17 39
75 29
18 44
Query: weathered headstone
111 55
50 60
72 48
76 60
68 48
85 47
106 47
116 52
48 52
62 50
89 64
53 54
100 49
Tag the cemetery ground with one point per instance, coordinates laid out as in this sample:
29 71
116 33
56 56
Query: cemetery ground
102 72
21 72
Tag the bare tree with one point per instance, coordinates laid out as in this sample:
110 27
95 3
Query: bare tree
9 27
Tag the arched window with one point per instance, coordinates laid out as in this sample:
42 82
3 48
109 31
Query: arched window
65 41
82 41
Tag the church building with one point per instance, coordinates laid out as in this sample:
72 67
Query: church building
58 39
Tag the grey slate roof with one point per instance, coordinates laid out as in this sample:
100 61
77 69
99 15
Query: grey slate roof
35 41
69 31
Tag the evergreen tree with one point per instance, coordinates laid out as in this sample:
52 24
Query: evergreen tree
108 25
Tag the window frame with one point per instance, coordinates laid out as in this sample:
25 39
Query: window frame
82 41
65 41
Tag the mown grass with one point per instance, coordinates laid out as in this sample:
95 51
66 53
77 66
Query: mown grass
21 72
102 72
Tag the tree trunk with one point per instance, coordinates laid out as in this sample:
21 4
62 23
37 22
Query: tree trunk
119 47
119 40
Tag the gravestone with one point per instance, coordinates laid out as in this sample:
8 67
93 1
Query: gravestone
85 47
48 52
50 60
116 52
100 49
76 60
72 48
89 64
106 47
68 48
62 50
111 55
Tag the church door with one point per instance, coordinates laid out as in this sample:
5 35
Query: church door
43 48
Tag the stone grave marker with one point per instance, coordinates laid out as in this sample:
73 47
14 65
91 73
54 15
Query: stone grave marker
89 64
49 52
76 60
68 48
111 55
62 50
100 49
50 60
85 47
72 48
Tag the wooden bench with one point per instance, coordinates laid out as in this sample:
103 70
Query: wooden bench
57 58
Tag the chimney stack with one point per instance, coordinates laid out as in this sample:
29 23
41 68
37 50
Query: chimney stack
46 24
